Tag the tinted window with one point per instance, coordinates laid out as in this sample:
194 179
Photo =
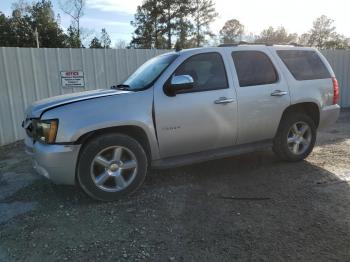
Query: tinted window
304 65
254 68
207 71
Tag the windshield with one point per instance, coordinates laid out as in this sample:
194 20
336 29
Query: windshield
148 73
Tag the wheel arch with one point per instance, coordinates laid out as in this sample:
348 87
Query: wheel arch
309 108
136 132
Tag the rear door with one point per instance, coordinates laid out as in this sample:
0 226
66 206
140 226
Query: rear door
262 93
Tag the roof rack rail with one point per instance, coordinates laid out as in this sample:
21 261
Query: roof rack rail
226 45
243 43
256 43
296 44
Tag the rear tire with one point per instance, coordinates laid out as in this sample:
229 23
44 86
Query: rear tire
295 137
111 166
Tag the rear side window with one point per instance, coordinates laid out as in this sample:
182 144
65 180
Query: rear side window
207 70
254 68
304 65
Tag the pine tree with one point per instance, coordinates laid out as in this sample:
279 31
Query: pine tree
148 32
95 43
276 36
105 39
184 26
73 39
204 14
157 21
174 18
44 21
18 30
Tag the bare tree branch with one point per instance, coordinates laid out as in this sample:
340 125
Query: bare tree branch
75 9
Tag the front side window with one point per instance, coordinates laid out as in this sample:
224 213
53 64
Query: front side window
147 73
254 68
304 64
207 71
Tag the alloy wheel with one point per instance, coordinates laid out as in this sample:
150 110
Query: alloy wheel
299 138
114 168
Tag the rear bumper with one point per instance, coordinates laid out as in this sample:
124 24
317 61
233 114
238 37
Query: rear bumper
328 115
56 162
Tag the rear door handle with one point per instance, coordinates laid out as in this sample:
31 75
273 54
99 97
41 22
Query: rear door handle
224 100
279 93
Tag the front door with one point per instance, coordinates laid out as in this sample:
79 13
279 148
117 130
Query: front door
202 118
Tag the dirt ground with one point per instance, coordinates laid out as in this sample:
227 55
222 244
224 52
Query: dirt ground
247 208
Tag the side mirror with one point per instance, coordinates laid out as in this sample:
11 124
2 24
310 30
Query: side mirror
178 83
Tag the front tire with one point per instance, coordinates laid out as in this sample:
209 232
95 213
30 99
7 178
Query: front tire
295 137
111 166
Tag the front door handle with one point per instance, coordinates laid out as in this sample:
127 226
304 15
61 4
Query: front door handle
224 100
279 93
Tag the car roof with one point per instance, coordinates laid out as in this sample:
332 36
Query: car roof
246 47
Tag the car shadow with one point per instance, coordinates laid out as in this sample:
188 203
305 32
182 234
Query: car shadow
250 207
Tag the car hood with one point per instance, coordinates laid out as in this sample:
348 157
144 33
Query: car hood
39 107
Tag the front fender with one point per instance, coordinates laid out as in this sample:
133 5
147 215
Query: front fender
131 109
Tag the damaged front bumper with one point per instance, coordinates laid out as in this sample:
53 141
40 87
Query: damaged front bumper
56 162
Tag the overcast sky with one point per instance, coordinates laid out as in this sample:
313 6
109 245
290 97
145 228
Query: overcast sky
296 15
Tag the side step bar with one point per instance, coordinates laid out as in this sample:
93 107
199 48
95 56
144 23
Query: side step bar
193 158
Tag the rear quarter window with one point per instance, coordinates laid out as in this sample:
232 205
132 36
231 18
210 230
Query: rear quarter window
304 65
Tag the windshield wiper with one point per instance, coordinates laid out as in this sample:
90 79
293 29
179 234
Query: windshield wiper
121 87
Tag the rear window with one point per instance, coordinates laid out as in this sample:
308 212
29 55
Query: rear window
304 65
254 68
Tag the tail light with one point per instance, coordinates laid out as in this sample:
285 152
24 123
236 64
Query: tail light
335 91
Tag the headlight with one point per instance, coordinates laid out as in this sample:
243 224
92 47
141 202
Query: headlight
45 130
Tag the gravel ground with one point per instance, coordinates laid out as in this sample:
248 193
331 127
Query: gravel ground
247 208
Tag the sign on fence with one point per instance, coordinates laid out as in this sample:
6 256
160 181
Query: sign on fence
71 79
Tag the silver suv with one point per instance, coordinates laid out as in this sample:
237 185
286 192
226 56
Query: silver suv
180 108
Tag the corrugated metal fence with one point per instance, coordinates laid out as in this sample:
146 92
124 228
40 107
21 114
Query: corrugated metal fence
340 62
29 74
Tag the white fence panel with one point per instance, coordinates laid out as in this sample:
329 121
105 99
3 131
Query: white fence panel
340 62
30 74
